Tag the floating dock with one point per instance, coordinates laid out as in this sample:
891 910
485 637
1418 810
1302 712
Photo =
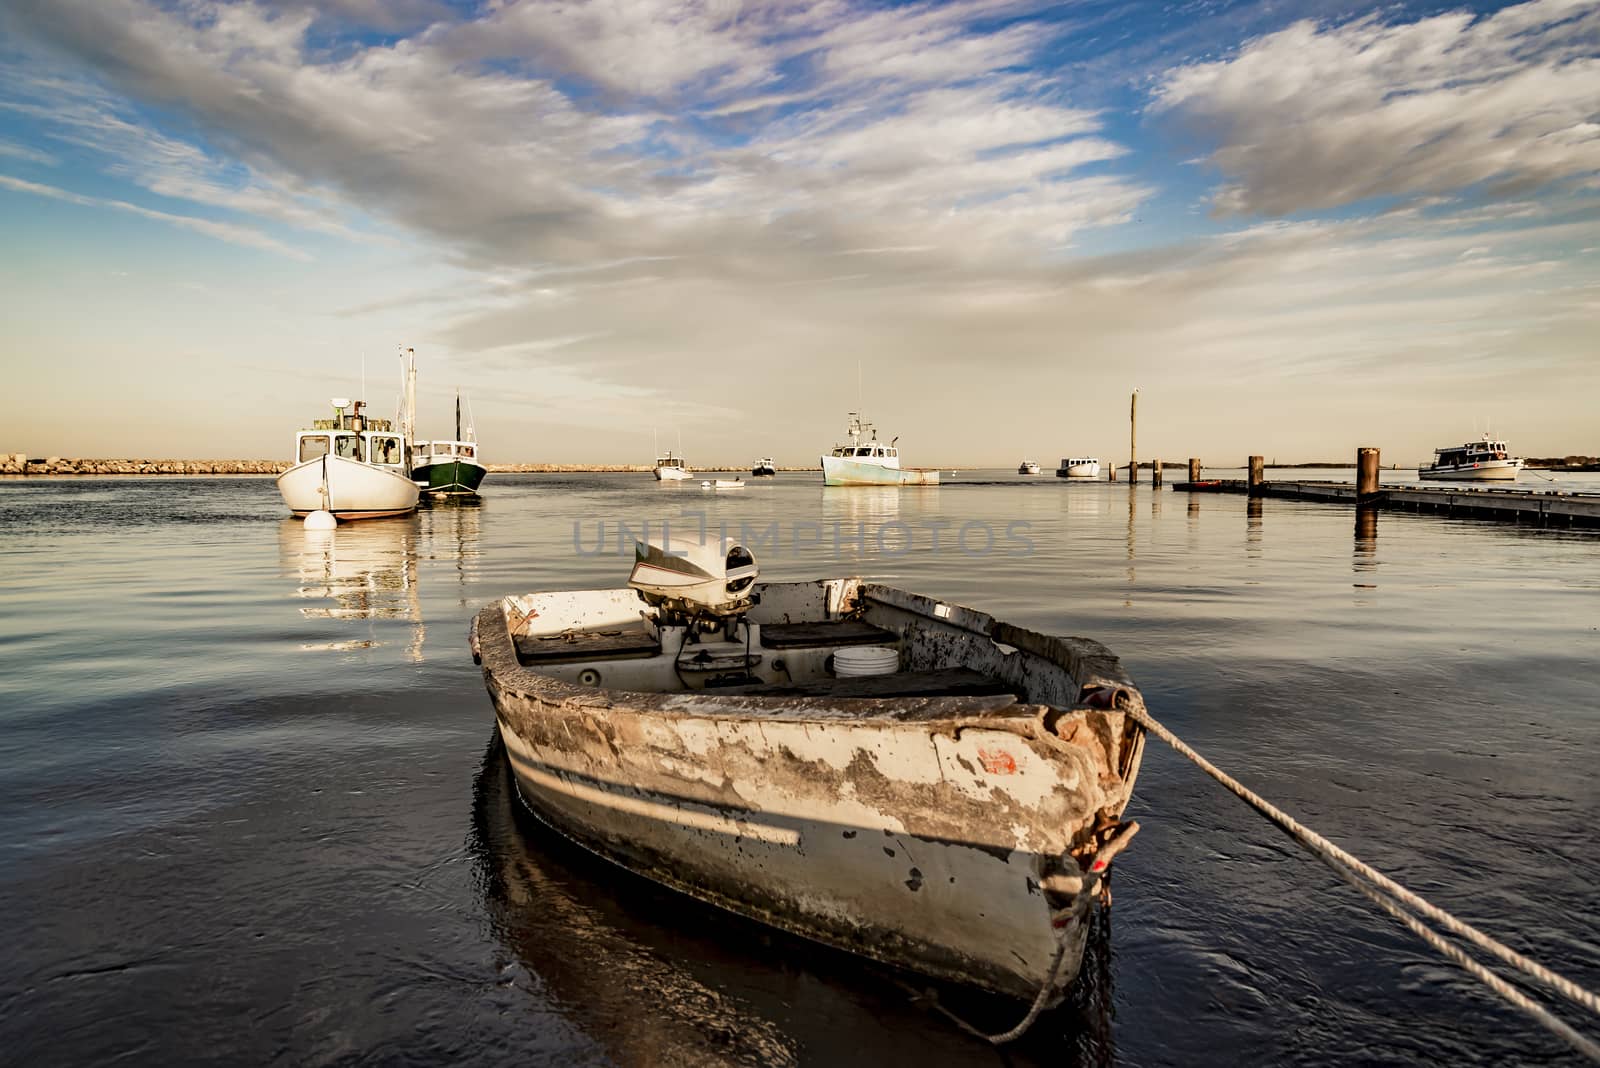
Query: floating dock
1545 507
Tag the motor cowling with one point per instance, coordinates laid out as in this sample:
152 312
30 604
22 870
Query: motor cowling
712 578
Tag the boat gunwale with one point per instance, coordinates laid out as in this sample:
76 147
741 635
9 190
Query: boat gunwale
1091 664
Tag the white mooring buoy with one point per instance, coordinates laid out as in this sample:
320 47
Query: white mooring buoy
321 520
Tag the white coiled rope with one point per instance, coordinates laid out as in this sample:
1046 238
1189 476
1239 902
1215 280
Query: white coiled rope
1404 906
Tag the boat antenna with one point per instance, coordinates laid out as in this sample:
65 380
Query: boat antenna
458 413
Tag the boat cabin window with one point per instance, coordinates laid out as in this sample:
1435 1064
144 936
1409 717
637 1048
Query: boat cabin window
864 451
347 445
313 446
385 449
467 450
894 452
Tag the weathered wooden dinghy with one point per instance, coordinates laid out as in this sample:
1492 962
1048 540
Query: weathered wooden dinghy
883 772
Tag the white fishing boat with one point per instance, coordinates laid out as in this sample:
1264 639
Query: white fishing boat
1078 467
354 466
763 467
1477 461
890 774
1027 467
670 468
722 483
863 460
448 467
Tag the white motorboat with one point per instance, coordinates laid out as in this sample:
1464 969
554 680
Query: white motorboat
1078 467
1027 467
354 466
670 468
723 483
863 460
898 777
763 467
1477 461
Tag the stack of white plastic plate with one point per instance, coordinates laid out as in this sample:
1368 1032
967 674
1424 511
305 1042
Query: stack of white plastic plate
860 660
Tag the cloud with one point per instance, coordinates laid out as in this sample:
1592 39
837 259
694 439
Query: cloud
538 133
223 231
27 154
1318 117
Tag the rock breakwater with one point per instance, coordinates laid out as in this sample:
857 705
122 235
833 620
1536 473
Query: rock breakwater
17 463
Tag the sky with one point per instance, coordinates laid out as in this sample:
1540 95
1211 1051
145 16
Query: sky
1294 228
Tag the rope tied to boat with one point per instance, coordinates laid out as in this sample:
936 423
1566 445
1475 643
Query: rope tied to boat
1095 882
1406 906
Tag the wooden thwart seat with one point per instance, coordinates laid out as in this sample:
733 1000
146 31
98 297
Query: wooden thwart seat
829 633
624 644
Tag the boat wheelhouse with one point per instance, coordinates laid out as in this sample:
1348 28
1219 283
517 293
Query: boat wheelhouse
1027 467
863 460
1477 461
1078 467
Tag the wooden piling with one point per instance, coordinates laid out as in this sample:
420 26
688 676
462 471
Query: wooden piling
1155 473
1366 472
1133 438
1194 469
1258 467
1111 472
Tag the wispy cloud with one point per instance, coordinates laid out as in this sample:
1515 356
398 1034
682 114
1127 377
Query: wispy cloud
1316 117
223 231
27 154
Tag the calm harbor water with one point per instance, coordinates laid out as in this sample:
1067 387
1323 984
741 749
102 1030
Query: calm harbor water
251 809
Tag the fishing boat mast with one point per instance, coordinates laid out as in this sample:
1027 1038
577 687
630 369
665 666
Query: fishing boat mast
408 414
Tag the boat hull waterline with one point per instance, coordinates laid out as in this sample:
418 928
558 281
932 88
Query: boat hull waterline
356 490
1485 471
451 477
957 837
842 471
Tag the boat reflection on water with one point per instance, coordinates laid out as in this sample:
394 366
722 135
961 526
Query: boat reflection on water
869 504
660 979
371 570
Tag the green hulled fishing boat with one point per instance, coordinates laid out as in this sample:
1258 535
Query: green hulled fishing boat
448 467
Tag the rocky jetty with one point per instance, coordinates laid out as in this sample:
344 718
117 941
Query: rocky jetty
17 463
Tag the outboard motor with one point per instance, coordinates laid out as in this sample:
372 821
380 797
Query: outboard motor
711 580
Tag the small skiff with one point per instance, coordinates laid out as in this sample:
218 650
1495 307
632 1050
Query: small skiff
887 773
722 483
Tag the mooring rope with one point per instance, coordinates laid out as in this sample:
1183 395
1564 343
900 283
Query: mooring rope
1362 876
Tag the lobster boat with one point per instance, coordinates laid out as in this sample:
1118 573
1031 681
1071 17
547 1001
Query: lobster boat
1079 467
884 772
450 468
863 460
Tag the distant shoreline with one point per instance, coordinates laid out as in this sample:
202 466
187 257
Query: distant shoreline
18 465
